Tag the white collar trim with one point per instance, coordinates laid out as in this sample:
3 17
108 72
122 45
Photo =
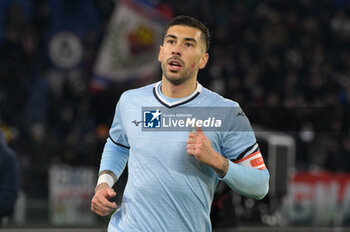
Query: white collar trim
171 104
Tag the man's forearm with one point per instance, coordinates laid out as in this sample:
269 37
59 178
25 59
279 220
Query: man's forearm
221 166
247 181
114 159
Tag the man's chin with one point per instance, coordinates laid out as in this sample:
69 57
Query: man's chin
176 80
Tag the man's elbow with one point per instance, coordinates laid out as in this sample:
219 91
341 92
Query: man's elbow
262 194
264 188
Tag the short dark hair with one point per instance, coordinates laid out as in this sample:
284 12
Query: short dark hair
191 22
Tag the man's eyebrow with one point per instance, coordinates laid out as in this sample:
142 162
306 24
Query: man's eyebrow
191 39
186 39
171 36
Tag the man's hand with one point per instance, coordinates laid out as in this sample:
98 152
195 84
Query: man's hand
100 203
199 146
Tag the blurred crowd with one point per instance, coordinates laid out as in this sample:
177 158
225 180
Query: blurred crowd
282 56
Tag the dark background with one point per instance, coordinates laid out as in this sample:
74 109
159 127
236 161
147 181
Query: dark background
287 57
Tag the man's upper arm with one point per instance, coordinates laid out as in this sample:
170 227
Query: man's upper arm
117 131
116 151
239 143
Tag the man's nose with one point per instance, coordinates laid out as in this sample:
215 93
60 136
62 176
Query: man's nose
176 50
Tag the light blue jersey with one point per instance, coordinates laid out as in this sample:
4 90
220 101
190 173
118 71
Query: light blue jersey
168 190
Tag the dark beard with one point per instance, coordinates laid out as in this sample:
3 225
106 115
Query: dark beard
176 81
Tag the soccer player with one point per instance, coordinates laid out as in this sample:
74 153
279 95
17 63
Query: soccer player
173 174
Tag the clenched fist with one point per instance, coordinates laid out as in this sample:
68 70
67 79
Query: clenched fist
100 203
199 146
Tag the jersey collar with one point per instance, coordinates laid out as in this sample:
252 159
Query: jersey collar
164 102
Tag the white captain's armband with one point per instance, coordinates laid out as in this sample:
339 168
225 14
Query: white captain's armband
254 160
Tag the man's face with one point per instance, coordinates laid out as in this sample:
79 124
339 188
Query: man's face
182 54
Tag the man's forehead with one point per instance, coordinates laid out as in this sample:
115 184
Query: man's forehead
184 31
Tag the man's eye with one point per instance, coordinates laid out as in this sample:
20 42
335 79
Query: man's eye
189 45
171 41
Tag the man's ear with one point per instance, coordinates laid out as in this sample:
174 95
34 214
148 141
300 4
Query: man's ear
160 53
204 60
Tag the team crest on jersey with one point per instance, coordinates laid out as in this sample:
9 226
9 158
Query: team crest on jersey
152 118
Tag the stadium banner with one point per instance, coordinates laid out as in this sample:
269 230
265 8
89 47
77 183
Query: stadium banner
70 192
131 44
319 199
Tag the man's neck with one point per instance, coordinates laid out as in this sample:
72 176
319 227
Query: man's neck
178 91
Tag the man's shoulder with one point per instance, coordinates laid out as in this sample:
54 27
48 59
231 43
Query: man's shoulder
144 91
218 99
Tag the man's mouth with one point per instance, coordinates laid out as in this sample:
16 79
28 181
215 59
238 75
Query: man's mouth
174 65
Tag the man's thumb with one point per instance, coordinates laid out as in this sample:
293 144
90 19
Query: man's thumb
199 130
111 192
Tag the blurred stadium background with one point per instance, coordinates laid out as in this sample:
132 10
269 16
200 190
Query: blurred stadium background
64 64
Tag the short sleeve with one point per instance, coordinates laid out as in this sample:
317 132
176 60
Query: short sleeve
117 132
239 136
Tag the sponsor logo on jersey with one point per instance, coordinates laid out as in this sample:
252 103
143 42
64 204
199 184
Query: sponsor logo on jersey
137 122
241 113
